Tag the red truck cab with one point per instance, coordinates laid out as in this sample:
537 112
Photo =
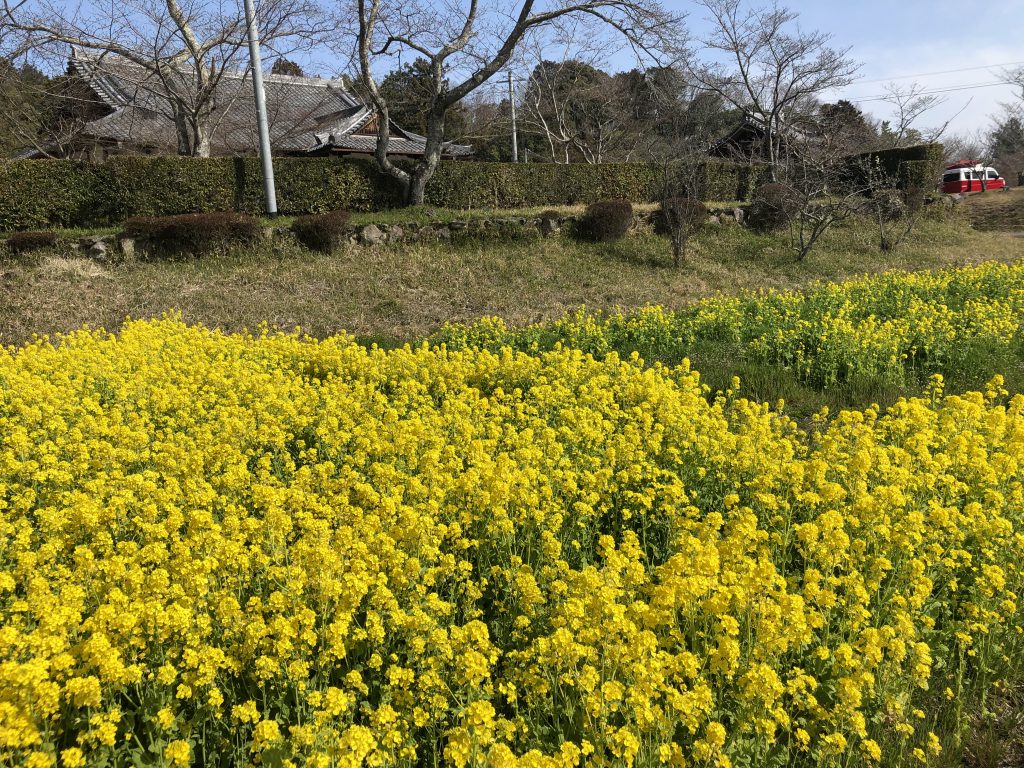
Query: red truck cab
966 176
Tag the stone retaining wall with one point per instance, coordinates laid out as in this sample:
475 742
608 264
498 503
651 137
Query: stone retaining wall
118 248
378 234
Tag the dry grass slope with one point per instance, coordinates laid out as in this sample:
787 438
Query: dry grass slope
404 293
997 211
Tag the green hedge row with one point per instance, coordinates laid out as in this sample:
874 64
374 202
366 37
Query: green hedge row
42 193
36 194
62 193
916 166
504 185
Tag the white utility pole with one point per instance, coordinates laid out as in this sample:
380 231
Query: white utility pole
261 109
512 105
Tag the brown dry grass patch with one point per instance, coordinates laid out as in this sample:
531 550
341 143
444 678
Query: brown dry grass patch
998 210
406 292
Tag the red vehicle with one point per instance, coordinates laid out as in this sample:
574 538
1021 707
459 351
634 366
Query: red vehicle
966 176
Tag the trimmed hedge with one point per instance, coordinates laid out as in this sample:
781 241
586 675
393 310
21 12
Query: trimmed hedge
917 166
193 233
64 193
321 231
318 185
26 242
35 194
168 186
606 221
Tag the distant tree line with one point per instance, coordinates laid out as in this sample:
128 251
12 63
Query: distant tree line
569 111
37 109
423 67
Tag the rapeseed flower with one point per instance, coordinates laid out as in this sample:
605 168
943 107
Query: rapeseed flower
332 556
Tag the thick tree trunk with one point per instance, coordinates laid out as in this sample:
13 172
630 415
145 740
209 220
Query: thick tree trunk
424 170
181 128
201 140
193 138
416 193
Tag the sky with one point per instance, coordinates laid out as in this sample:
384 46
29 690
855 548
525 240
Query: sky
906 41
900 41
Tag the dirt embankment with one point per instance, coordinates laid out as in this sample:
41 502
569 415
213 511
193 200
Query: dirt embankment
997 210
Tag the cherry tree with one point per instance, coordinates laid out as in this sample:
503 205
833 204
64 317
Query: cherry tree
466 43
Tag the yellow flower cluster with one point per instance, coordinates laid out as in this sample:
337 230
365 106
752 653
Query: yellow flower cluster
880 326
233 550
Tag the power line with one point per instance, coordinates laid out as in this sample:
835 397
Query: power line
942 72
934 92
519 79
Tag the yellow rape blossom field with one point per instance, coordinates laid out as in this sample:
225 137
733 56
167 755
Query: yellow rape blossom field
232 550
892 326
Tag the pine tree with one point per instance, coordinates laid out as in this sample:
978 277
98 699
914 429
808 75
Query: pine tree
1006 146
285 66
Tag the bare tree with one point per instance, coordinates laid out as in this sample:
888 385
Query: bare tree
683 217
896 210
1014 77
676 125
179 50
465 44
683 159
488 121
818 187
965 146
1006 139
909 104
570 103
823 197
770 66
577 109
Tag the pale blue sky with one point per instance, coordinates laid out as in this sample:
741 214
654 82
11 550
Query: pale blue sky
894 39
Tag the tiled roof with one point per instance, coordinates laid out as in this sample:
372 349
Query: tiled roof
752 128
305 114
411 144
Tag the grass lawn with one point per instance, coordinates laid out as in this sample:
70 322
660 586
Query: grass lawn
399 293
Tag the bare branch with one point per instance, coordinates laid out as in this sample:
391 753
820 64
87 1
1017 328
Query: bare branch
909 103
773 66
465 46
180 51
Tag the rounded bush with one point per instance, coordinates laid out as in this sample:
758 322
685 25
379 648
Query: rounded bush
683 214
321 232
606 220
193 233
26 242
773 207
